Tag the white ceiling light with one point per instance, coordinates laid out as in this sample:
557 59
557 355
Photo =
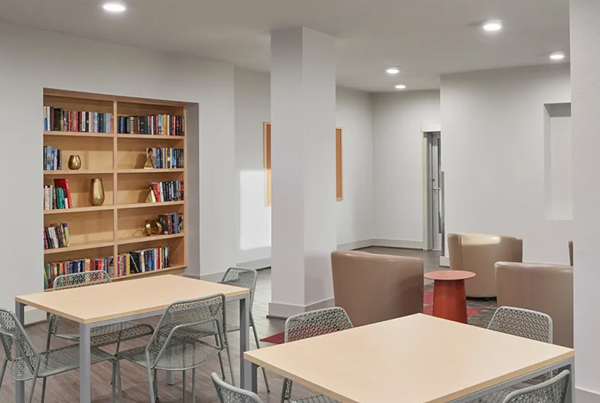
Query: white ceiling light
114 7
557 55
492 25
400 86
393 70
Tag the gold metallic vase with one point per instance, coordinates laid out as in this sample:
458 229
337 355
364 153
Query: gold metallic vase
74 162
97 192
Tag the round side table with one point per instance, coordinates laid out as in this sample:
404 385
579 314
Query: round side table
449 299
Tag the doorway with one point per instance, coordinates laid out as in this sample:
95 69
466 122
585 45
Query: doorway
434 189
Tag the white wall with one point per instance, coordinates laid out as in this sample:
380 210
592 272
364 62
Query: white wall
354 213
31 60
398 163
493 155
585 73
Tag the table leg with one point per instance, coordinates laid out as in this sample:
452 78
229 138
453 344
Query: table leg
245 368
170 378
20 386
85 364
449 300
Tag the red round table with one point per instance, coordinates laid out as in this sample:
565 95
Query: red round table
449 299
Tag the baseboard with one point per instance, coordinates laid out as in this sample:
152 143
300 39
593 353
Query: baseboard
444 261
34 315
586 396
284 311
256 264
397 243
365 243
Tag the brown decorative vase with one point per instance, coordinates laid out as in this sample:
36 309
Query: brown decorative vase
74 162
97 192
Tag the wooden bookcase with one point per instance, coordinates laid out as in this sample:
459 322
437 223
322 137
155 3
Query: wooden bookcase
116 226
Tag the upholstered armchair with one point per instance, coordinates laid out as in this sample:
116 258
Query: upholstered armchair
374 288
540 287
479 253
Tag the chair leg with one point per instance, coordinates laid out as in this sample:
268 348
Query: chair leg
156 384
32 388
44 390
226 344
119 382
150 384
258 346
193 385
183 387
4 362
113 381
220 357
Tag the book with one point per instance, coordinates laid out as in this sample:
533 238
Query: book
144 260
166 158
59 119
55 269
167 191
52 159
56 236
172 223
160 124
63 184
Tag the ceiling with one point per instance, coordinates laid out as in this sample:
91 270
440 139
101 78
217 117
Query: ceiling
425 38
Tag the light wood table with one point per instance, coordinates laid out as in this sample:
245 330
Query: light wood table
414 359
106 304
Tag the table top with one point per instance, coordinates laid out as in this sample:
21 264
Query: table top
449 275
102 302
418 358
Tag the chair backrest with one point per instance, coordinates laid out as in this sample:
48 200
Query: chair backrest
316 323
553 390
240 277
231 394
523 323
12 335
191 316
81 279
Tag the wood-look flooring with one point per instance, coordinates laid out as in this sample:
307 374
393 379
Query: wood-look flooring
64 388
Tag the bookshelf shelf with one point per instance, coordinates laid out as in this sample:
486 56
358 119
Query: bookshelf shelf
112 156
78 247
78 134
149 205
176 269
79 210
150 171
81 172
144 239
149 137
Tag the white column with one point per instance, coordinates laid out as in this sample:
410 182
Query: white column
585 82
303 169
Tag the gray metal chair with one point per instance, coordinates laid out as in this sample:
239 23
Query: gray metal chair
311 324
551 391
523 323
179 344
102 335
231 394
29 364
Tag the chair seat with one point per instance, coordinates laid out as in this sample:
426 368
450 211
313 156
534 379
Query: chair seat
115 333
182 354
56 361
315 399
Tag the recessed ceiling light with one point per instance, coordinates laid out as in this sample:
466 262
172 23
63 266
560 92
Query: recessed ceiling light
557 55
400 86
492 26
393 70
114 7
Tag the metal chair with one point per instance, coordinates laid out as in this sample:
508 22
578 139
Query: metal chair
551 391
28 364
102 335
311 324
523 323
177 343
230 394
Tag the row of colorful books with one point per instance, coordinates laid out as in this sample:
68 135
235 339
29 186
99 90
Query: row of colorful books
165 158
56 236
58 196
55 269
60 119
144 260
52 159
161 125
172 223
167 191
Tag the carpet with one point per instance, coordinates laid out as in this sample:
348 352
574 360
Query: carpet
279 338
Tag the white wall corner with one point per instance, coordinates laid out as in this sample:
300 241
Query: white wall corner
586 396
284 311
398 243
